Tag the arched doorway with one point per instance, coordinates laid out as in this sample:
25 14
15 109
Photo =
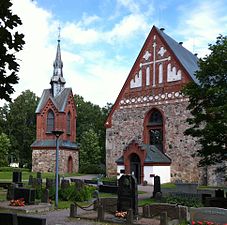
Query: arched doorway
70 164
135 167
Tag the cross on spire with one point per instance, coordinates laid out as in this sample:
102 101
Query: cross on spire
59 32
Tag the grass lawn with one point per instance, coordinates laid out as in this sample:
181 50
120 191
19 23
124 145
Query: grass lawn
7 175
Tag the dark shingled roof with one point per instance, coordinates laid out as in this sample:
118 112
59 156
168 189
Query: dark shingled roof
59 101
186 58
52 143
154 155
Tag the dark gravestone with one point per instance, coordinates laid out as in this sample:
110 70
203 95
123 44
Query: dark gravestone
157 185
39 175
45 196
10 192
204 196
50 183
8 219
79 184
17 176
64 184
127 194
28 220
28 194
219 193
30 179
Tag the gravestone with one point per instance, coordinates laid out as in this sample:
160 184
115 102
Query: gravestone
127 194
157 186
219 193
64 184
45 196
17 177
28 194
29 220
10 191
211 214
8 218
79 184
190 188
30 179
39 175
50 183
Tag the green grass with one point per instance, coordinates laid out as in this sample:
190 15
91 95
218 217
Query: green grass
147 201
7 175
2 194
168 185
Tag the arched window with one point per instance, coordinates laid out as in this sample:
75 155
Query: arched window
50 121
68 121
154 129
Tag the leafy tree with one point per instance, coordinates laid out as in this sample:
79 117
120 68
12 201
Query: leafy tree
90 116
3 117
21 122
4 149
10 43
90 151
208 105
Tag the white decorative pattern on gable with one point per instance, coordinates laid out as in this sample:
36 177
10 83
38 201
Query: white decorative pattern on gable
161 51
137 81
173 74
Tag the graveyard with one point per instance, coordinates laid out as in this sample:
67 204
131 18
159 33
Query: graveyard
32 201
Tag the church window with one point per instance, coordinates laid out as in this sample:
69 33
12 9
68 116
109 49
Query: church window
154 129
50 121
68 120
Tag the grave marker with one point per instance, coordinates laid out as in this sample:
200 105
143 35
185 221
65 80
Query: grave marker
157 185
127 194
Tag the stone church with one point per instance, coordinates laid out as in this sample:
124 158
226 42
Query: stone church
56 111
144 130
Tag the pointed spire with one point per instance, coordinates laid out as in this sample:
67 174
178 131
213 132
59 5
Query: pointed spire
57 81
58 64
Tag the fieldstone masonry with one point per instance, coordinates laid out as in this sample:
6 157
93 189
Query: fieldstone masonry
44 160
127 124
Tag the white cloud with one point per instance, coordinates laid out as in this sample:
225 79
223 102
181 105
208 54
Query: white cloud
202 25
80 35
129 26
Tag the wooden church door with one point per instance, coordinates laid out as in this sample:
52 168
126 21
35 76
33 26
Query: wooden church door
70 164
135 167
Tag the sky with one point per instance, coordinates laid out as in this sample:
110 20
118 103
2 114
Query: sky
100 39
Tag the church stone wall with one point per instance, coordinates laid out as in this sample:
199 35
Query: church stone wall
127 124
43 160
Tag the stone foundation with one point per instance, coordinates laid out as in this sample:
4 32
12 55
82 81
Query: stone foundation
44 160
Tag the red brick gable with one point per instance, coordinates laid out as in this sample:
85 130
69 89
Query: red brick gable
60 120
160 81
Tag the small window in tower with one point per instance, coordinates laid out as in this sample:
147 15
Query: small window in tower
50 121
68 122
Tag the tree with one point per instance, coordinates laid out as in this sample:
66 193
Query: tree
21 122
4 149
10 43
90 151
3 117
208 105
90 116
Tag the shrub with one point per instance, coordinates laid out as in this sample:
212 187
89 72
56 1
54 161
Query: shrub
186 201
72 193
92 169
